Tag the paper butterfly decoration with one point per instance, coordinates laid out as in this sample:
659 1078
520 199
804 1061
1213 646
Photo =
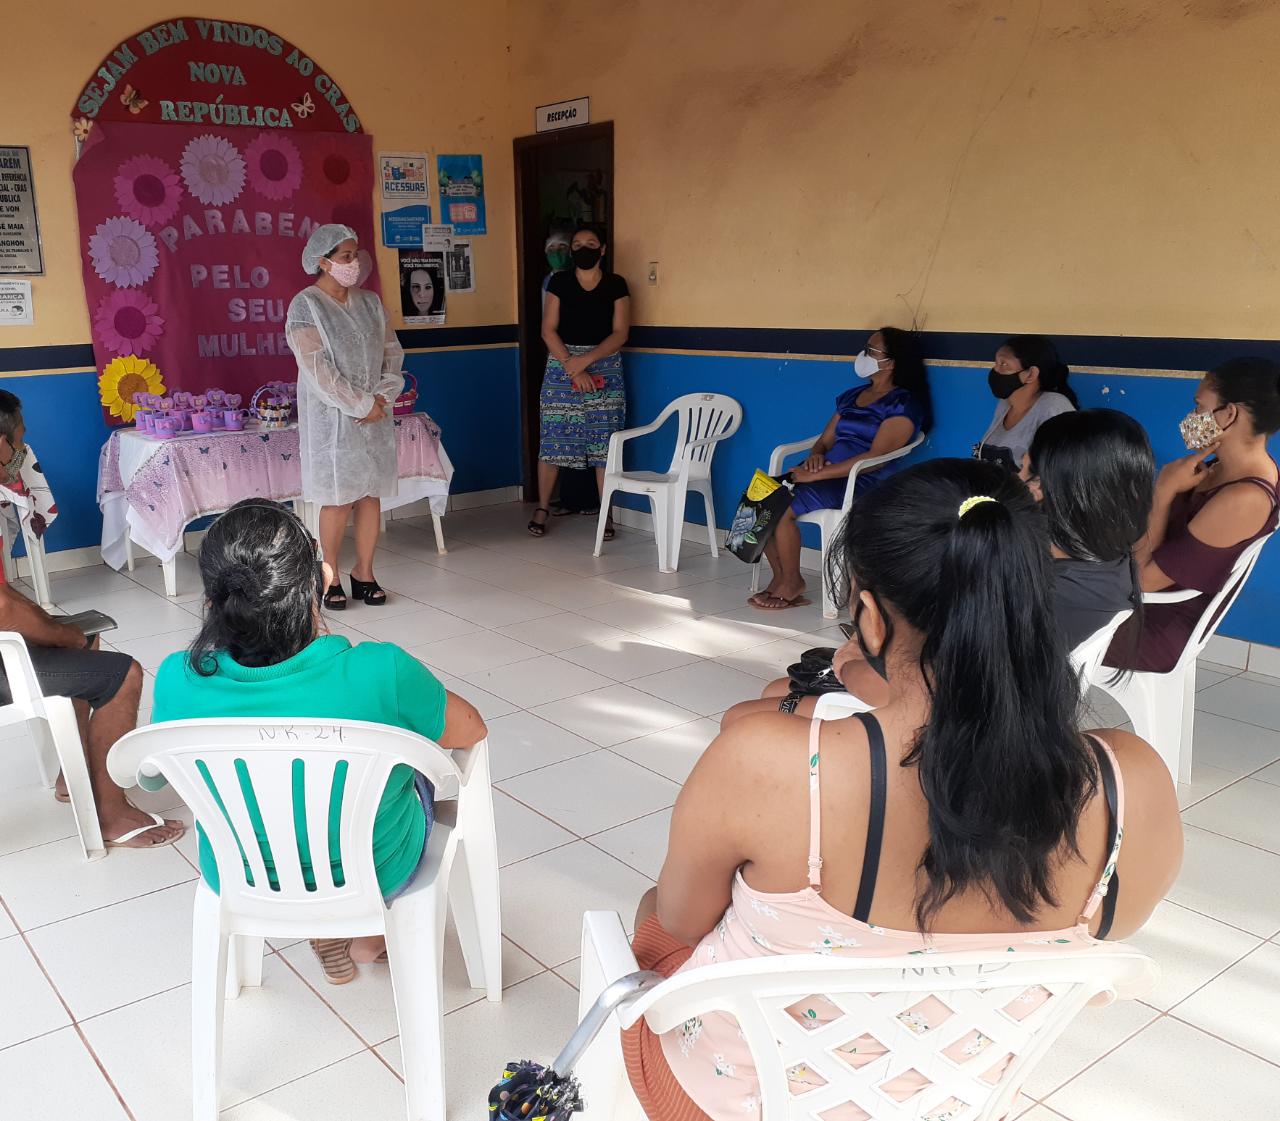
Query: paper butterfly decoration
303 108
132 100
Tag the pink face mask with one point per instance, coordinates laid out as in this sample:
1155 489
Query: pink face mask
348 274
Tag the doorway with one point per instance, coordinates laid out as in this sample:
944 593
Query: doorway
562 178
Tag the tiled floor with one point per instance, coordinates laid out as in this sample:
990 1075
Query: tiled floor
601 681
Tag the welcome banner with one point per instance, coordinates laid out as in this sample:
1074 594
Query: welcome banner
191 239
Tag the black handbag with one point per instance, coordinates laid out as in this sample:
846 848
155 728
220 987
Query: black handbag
756 518
811 676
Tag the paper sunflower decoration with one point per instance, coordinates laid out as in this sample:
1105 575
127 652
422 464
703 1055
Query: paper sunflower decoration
122 378
275 166
123 252
213 169
148 190
127 322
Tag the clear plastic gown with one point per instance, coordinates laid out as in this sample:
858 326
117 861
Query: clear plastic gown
347 354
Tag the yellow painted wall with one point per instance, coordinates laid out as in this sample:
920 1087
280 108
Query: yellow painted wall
994 165
418 79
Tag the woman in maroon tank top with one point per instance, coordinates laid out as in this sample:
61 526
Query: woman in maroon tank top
1205 514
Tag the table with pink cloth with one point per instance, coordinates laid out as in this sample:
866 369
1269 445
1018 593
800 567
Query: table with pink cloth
149 490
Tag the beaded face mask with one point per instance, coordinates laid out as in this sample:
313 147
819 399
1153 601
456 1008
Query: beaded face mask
1199 430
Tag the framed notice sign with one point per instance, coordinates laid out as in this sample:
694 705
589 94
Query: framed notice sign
19 227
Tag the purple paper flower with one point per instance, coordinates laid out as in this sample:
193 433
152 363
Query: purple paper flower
148 189
275 166
123 252
213 170
127 323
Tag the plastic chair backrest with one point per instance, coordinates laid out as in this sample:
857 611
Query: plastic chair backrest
1218 606
951 1018
1087 657
709 417
239 773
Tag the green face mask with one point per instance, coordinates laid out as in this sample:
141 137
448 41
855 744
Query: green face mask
558 259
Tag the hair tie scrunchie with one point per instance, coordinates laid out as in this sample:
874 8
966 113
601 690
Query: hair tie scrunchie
969 503
236 580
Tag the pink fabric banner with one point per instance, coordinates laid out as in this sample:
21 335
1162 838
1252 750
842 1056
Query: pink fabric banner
192 239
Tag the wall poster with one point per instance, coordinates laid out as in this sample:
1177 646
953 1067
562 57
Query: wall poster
462 193
20 253
15 303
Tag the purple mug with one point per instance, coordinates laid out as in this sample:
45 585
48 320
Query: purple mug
201 421
234 419
166 427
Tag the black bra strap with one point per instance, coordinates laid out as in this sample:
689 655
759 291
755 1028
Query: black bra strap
875 818
1109 789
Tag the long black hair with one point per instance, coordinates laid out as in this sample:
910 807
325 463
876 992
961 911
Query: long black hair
1253 383
909 371
1039 351
1004 772
262 584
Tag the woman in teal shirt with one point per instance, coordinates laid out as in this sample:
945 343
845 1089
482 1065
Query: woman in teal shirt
261 652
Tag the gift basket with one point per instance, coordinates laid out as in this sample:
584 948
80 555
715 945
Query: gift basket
408 396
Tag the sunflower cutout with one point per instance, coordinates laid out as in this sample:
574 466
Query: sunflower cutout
122 378
213 170
148 189
341 171
127 322
123 252
275 166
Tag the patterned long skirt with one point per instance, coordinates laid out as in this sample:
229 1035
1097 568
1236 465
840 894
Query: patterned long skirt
575 427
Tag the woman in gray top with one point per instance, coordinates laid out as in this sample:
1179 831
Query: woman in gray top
1029 382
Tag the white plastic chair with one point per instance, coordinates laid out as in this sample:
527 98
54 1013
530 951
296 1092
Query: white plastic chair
56 735
1162 706
35 552
705 420
828 521
876 994
208 763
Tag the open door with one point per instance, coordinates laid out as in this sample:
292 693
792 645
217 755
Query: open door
562 178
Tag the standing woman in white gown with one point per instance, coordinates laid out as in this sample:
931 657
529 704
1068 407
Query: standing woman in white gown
349 363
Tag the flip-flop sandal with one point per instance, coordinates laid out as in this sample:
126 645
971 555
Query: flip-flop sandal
334 955
65 799
157 822
609 532
777 603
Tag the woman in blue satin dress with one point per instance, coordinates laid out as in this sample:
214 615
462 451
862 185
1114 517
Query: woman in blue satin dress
873 418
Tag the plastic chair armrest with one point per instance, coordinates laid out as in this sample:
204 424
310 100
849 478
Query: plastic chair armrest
781 453
1170 597
613 461
873 462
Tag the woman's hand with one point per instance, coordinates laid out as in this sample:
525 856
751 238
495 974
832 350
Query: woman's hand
815 462
377 413
803 473
1184 474
575 365
583 383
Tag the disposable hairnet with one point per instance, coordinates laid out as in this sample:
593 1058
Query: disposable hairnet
323 241
559 236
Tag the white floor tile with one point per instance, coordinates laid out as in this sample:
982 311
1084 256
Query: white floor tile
1205 780
31 1007
543 898
614 715
137 612
470 653
537 680
52 882
1227 651
534 1020
704 688
147 573
121 953
523 832
150 651
54 1077
361 1086
769 661
1247 810
1243 1005
569 593
485 703
1251 701
638 614
271 1036
627 657
713 637
1269 774
674 751
641 844
368 1003
1232 745
1191 949
431 586
593 792
1090 1035
410 628
523 742
30 815
1170 1071
7 929
1230 881
499 608
80 582
563 631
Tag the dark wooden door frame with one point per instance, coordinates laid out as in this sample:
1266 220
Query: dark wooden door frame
529 327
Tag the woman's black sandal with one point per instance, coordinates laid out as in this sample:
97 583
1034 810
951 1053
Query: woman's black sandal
368 592
335 599
539 529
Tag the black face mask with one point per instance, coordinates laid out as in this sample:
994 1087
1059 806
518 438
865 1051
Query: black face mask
1003 386
875 661
586 257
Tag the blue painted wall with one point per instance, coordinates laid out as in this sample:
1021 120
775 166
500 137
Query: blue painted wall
790 399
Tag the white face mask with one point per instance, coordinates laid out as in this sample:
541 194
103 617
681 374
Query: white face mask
865 366
348 274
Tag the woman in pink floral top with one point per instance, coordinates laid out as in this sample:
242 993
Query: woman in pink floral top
966 813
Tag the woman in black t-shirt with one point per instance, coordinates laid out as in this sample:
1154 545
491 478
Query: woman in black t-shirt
585 321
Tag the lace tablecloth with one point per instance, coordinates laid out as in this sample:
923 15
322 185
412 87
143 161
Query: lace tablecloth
154 488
